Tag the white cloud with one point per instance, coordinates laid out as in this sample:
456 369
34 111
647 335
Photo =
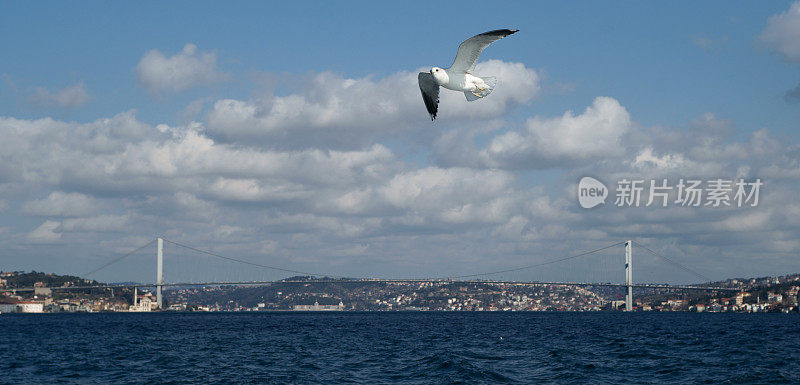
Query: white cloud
228 233
187 69
59 203
647 159
331 110
123 155
595 133
69 97
456 195
99 223
330 207
45 233
50 151
253 190
192 206
305 226
748 221
782 34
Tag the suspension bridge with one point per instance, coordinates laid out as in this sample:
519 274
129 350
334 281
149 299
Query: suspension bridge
614 265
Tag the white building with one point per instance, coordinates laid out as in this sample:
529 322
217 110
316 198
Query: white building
177 307
22 307
143 302
317 307
773 298
31 307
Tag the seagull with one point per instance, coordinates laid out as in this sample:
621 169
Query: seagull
459 76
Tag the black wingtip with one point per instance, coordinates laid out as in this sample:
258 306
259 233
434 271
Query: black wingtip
501 32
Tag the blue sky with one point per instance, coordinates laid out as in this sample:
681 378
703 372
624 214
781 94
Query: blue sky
624 51
677 74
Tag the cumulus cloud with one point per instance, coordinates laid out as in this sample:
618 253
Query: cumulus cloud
782 33
182 71
59 203
452 195
706 148
50 151
369 207
593 134
646 158
180 178
433 194
782 36
69 97
45 233
330 110
100 223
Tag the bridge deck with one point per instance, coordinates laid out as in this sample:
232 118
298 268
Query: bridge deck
382 280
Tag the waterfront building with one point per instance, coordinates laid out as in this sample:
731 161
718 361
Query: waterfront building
143 302
177 307
8 307
317 307
22 307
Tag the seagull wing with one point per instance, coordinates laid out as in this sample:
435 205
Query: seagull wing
470 49
430 92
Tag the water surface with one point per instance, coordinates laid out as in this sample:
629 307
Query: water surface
399 348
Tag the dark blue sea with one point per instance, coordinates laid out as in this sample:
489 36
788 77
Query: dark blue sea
399 348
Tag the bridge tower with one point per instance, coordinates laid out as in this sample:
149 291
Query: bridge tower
159 272
628 277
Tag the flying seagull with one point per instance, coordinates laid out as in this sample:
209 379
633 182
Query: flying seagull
459 76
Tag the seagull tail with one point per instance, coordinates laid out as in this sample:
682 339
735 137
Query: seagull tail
490 82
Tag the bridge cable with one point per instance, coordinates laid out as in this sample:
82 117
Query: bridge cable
115 260
674 263
537 264
250 263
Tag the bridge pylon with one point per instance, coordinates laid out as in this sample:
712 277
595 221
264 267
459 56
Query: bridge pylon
628 276
160 272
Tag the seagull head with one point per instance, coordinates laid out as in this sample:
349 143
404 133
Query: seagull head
440 75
